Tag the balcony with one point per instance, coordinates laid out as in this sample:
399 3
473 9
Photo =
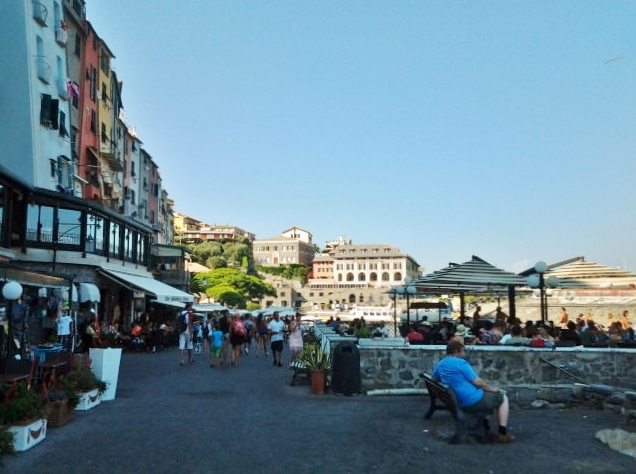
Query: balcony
61 36
44 69
40 13
62 90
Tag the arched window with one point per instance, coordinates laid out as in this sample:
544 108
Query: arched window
373 277
397 276
350 277
385 276
361 277
352 299
339 276
361 298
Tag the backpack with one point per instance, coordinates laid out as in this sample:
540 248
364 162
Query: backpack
206 331
182 322
239 329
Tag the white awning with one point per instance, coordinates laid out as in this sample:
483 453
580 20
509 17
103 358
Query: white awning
88 292
163 293
170 303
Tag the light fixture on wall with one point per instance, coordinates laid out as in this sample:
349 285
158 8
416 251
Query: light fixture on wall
11 291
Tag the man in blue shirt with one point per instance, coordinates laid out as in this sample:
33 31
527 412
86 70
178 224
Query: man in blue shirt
473 393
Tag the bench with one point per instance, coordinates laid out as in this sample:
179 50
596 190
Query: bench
299 369
466 424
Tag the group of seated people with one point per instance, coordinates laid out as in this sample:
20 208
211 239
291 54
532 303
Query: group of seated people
532 334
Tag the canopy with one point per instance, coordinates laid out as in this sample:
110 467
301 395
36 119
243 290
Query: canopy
164 293
88 292
25 277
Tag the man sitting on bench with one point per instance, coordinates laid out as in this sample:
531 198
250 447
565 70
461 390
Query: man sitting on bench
473 393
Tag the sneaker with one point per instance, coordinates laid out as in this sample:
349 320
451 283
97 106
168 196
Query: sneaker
280 365
182 363
274 362
505 438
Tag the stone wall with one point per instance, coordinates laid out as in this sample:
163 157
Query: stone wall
399 367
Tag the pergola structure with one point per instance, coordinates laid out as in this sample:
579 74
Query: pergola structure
473 277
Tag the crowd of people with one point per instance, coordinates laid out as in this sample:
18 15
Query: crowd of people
231 337
582 331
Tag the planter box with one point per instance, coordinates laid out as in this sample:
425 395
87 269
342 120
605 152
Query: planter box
27 435
106 368
88 400
60 413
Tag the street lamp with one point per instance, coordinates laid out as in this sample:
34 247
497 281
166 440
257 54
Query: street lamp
11 291
545 285
393 296
407 291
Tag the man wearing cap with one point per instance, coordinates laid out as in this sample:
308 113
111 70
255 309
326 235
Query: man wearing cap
473 393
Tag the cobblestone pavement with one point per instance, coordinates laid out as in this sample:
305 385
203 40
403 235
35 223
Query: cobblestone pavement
194 419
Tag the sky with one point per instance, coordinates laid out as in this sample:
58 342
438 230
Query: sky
447 129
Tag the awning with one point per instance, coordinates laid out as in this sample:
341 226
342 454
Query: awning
174 304
88 292
32 278
163 293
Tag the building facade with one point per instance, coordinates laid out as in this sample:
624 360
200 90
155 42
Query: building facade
294 246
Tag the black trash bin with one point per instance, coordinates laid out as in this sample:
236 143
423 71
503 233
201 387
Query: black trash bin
345 378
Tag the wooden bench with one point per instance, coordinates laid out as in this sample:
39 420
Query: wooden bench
466 424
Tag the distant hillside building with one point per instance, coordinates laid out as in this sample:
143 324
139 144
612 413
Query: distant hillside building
294 246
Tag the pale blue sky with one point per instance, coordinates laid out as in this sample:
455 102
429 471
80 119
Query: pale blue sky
446 129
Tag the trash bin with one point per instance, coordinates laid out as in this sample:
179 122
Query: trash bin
345 378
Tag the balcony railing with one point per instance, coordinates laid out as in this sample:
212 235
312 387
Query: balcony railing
61 35
40 13
44 69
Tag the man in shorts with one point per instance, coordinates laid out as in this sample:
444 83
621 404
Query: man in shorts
473 393
276 328
185 337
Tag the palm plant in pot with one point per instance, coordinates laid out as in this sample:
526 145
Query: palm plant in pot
318 364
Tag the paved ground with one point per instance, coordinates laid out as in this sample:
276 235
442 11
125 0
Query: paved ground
193 419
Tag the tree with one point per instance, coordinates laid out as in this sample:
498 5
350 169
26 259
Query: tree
226 295
216 262
250 287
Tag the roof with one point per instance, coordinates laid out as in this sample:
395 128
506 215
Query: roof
474 276
590 274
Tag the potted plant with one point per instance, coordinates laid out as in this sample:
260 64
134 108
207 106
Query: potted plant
62 400
88 386
318 364
23 411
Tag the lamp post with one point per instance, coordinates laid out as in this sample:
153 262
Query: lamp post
393 296
11 291
545 285
407 291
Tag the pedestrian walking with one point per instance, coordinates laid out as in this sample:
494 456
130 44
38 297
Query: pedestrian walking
237 338
185 326
216 346
295 338
276 328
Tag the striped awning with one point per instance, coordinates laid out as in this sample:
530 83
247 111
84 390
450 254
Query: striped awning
474 276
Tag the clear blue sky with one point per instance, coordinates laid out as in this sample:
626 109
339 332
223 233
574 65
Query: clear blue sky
446 129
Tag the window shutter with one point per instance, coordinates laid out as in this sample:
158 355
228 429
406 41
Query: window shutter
63 132
45 109
53 111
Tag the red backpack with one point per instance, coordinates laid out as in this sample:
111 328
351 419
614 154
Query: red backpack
239 329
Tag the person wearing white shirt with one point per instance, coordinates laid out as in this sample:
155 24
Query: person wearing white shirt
64 322
276 328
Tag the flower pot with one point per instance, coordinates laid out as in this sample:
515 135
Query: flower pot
88 400
106 368
28 434
318 381
60 413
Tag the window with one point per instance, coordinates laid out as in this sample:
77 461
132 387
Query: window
397 276
69 226
93 121
93 81
114 245
373 266
361 277
94 234
386 266
361 266
373 277
49 109
385 276
40 223
64 171
397 266
282 293
104 135
63 132
349 276
104 91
